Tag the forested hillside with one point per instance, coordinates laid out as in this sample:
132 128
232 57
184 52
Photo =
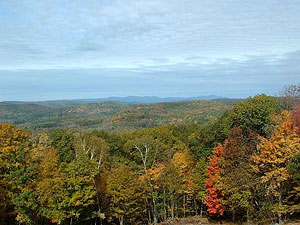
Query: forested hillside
110 115
242 167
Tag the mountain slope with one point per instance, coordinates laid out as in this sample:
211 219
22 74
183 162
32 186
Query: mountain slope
111 115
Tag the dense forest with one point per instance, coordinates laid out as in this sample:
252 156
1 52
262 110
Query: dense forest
243 166
110 115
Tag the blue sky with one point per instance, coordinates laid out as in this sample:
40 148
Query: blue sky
64 49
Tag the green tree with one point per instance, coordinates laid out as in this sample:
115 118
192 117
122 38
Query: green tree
94 147
293 200
172 185
148 151
237 181
50 187
81 191
199 176
127 196
254 114
63 141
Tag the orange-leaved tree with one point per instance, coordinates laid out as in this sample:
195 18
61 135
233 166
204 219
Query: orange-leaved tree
296 119
214 198
275 153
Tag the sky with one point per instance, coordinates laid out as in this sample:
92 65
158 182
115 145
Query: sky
71 49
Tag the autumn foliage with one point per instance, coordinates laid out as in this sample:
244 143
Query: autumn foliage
214 197
242 167
296 119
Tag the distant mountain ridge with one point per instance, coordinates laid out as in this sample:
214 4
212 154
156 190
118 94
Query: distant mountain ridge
154 99
127 99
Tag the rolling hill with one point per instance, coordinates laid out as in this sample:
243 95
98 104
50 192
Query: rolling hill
110 115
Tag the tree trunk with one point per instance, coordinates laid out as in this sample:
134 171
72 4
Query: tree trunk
154 211
184 205
248 220
149 212
165 210
98 197
279 213
176 208
121 220
196 207
144 159
172 206
201 210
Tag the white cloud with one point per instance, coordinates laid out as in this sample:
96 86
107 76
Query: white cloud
93 33
174 47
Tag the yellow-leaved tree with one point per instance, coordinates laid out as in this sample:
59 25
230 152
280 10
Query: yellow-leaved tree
11 139
184 166
271 161
126 193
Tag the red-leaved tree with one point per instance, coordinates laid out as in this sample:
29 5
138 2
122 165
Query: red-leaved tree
213 198
296 119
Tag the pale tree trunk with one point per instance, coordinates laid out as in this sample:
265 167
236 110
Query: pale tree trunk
98 197
279 213
154 210
149 212
201 210
165 210
248 218
144 157
121 220
195 207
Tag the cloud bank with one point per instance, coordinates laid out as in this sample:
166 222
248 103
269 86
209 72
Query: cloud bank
71 49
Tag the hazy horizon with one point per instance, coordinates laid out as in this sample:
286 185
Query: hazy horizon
204 97
56 49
